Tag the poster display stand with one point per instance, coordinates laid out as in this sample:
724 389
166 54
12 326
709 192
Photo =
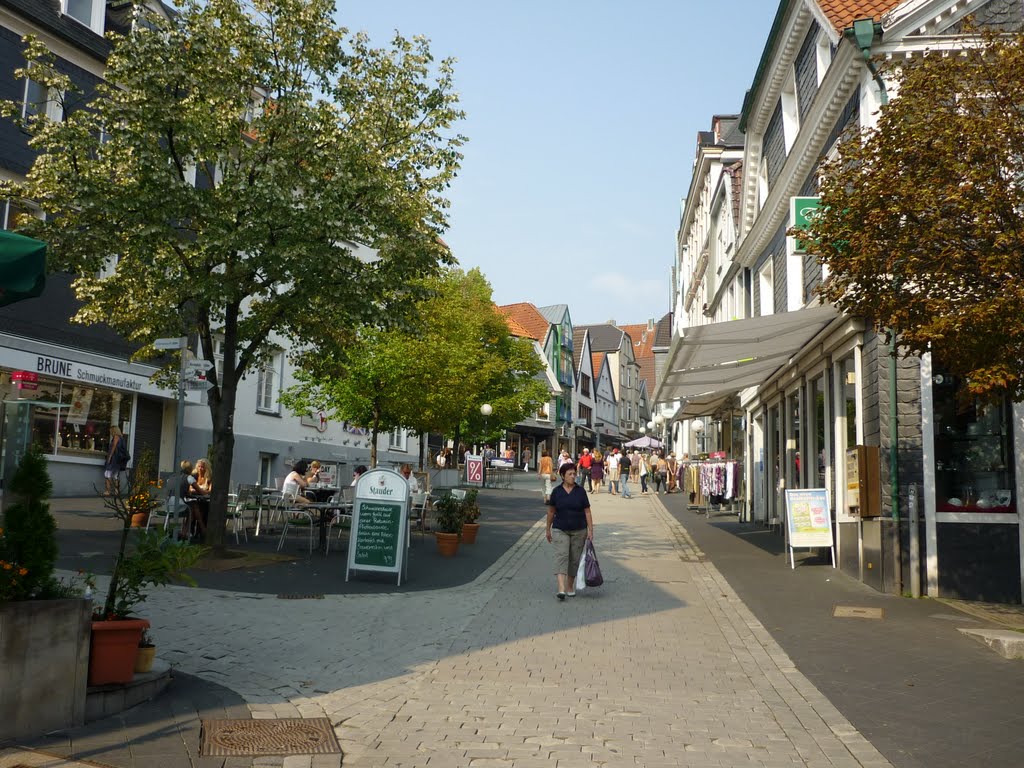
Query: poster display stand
379 538
808 521
475 470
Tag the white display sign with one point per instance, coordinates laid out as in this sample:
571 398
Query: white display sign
379 538
808 521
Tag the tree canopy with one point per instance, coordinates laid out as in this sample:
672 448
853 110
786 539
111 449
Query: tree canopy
216 184
922 219
431 375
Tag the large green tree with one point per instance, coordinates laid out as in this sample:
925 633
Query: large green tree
922 219
433 373
214 186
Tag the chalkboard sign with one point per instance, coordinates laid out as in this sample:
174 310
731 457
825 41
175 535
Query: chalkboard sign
379 538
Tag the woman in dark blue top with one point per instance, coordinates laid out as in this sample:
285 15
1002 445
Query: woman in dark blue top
569 516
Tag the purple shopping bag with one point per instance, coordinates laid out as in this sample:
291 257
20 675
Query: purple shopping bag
593 568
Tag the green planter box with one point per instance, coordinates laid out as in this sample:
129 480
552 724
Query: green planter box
44 663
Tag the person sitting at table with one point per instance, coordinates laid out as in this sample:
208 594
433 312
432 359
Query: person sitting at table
200 485
313 474
360 470
296 483
414 484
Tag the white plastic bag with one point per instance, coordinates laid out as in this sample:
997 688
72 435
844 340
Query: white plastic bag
581 576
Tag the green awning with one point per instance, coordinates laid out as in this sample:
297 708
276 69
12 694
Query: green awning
22 267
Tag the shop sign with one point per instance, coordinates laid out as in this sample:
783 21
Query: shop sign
316 420
802 211
25 379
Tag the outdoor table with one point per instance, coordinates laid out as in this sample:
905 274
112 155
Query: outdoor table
324 508
320 493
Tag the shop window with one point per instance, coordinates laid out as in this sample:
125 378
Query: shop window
850 401
73 421
818 433
973 451
793 441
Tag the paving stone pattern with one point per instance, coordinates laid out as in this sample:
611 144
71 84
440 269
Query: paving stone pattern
663 665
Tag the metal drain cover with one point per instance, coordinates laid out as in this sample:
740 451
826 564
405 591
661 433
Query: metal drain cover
855 612
285 736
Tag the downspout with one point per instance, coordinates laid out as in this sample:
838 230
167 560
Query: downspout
863 33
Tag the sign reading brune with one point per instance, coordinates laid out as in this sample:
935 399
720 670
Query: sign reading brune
379 538
802 211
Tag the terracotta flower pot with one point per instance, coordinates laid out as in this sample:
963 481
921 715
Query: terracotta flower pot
139 520
447 544
144 661
115 644
469 531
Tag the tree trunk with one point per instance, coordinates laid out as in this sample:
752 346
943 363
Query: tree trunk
373 438
222 411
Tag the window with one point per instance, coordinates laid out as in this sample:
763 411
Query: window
268 382
266 470
584 415
790 113
15 215
218 358
766 289
87 12
824 56
398 440
40 100
544 412
584 385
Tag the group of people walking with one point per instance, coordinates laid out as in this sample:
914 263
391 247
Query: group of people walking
653 472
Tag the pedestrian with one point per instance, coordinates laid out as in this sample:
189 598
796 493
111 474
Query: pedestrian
569 516
597 471
116 463
612 465
673 472
563 458
527 455
643 470
545 471
661 479
634 466
625 465
586 462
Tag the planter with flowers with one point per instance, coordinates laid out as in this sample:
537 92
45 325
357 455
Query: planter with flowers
147 653
44 623
447 525
154 560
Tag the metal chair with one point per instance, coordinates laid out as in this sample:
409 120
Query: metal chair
245 500
292 512
418 512
342 515
173 507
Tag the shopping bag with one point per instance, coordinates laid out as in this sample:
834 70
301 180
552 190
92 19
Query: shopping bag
593 568
581 575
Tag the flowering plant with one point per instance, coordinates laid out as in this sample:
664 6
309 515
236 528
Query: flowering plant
28 540
12 577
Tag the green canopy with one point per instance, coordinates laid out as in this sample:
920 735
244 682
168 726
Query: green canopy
22 267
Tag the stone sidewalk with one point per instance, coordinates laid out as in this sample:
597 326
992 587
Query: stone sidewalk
663 665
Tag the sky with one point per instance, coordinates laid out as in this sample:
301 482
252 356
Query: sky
582 119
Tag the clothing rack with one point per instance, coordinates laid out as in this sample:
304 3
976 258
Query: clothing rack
702 477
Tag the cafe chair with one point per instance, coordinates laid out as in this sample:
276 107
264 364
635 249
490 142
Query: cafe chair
293 513
342 516
418 512
173 509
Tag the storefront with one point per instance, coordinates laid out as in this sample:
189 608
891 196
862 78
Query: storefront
67 401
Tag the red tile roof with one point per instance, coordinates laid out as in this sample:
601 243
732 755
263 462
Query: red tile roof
596 360
842 13
529 317
517 330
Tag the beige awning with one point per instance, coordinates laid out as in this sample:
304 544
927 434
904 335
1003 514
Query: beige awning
710 363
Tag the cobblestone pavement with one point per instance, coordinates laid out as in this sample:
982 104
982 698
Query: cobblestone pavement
663 665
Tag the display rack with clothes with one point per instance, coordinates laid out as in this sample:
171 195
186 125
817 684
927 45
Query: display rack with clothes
711 482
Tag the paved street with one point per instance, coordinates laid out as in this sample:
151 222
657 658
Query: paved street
663 665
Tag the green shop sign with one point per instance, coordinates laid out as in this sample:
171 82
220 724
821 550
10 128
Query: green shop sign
802 211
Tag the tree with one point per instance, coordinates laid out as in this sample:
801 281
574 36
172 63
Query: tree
922 219
431 375
216 184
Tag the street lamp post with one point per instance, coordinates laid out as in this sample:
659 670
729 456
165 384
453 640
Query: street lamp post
485 411
698 428
659 421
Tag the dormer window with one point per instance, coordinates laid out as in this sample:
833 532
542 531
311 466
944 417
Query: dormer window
87 12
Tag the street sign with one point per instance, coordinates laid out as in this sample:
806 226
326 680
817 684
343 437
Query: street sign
199 384
198 366
178 343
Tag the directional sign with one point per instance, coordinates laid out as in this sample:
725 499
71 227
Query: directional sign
198 366
200 384
178 343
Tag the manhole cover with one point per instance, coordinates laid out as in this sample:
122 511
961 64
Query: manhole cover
286 736
855 612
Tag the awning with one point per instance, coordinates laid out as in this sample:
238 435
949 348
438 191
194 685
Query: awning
710 363
22 268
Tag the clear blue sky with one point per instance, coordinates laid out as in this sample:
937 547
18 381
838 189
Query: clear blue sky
582 120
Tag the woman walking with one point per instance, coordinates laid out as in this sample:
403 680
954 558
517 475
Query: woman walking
569 517
597 471
544 471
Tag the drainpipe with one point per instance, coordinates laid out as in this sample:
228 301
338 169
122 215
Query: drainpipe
863 33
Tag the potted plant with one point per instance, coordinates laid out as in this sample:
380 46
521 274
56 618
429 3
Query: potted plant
155 560
147 652
447 524
44 622
470 515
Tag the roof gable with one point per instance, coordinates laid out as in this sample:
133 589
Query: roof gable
528 316
604 338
